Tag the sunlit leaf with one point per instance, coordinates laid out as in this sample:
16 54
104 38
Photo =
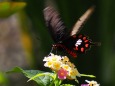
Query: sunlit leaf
8 8
85 75
44 80
67 85
3 79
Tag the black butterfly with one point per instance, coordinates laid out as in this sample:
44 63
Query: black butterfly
72 42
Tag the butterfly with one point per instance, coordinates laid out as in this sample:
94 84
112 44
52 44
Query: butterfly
71 41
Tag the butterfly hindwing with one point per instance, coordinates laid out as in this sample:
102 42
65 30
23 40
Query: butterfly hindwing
54 24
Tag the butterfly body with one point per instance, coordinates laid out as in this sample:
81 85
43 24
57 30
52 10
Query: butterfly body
74 44
71 42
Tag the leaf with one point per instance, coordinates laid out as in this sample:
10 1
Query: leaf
3 79
44 80
67 85
42 74
9 8
91 76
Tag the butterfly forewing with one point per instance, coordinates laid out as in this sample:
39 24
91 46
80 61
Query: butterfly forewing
81 21
54 24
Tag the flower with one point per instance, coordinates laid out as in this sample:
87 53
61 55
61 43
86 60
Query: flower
65 58
73 72
52 57
84 84
48 64
92 83
62 74
56 65
62 66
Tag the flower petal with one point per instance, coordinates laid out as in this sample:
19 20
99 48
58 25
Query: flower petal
62 74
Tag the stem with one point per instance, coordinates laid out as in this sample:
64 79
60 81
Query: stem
92 76
57 81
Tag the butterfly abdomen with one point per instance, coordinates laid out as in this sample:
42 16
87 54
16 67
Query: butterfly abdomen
61 46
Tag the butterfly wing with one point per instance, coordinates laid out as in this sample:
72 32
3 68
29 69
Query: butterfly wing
54 24
81 21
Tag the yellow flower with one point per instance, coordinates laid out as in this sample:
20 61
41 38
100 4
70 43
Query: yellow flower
56 58
72 65
48 64
92 83
56 62
69 63
65 59
56 65
66 67
73 73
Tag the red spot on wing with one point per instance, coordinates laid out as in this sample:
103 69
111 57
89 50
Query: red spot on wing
76 48
86 45
82 49
84 38
86 41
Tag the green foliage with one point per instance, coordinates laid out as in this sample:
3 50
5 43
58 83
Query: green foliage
3 79
41 79
9 8
67 85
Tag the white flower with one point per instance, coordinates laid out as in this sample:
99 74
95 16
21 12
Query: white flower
92 83
56 62
52 57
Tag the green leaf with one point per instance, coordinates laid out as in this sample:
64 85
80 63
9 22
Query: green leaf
44 80
43 74
3 79
67 85
91 76
9 8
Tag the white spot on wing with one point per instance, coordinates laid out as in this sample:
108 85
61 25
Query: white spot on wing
78 42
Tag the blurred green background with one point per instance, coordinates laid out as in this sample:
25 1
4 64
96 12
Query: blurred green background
34 41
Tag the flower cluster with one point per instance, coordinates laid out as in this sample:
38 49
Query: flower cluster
91 83
62 66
